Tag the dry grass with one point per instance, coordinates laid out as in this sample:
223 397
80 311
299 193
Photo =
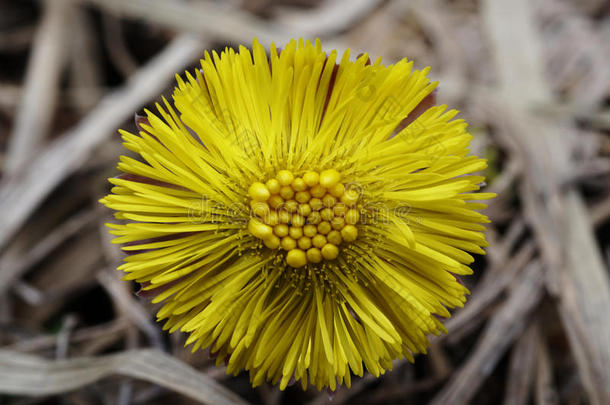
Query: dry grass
532 78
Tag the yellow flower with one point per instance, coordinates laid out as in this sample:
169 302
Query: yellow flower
297 216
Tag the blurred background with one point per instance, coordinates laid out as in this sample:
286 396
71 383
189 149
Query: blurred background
531 77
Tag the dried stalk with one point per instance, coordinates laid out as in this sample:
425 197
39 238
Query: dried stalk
22 374
575 271
507 323
20 195
46 63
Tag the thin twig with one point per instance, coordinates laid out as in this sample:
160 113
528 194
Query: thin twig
129 306
33 376
470 317
545 392
41 86
504 327
238 26
13 268
43 342
116 46
63 337
85 65
521 368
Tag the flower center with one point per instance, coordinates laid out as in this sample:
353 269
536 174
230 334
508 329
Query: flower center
308 217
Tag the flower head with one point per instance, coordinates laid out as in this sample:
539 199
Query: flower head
297 216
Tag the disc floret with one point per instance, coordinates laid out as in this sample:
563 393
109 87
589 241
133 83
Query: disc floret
309 216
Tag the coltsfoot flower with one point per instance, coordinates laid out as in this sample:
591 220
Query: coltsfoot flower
303 218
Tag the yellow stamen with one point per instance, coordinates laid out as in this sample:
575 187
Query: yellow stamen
329 178
285 177
337 190
295 232
275 201
349 233
310 230
280 230
319 240
327 214
334 237
302 196
304 243
317 191
259 192
350 197
259 229
296 258
314 255
298 184
316 204
352 217
273 186
288 243
330 251
329 201
304 209
272 242
311 178
312 226
286 192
